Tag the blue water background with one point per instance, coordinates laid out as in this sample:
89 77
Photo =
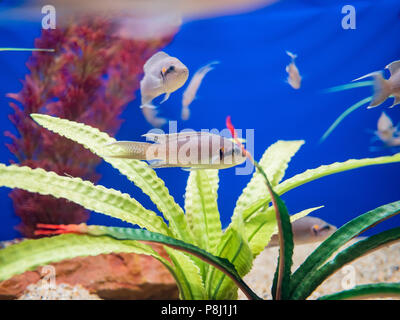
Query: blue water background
249 84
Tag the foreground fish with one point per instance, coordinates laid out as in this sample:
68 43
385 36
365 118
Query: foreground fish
194 150
190 93
294 78
386 132
163 74
385 88
307 230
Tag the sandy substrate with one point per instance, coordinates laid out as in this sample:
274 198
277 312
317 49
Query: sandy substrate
62 291
382 265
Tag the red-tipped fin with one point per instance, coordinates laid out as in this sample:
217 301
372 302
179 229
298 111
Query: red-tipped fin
53 229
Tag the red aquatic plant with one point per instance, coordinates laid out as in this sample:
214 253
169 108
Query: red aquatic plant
90 78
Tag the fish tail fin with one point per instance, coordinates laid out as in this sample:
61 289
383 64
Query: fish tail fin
381 90
292 55
147 105
150 113
395 102
185 113
128 150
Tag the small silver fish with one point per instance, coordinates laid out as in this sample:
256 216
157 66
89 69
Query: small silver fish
385 88
193 150
163 74
294 78
307 230
190 93
386 132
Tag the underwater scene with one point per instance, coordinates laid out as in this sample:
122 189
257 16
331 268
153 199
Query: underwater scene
200 150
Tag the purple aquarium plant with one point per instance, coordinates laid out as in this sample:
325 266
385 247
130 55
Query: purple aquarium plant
90 78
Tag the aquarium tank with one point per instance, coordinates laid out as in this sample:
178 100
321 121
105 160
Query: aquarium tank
206 137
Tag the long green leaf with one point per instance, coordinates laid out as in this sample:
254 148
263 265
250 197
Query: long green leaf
355 251
376 290
234 248
97 198
202 208
280 290
274 162
191 285
350 230
226 266
30 254
137 171
314 174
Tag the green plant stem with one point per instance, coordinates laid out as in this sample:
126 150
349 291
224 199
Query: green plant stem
281 267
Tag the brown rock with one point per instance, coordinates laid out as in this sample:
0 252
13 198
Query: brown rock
110 276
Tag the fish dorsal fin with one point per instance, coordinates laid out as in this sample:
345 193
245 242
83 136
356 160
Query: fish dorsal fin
166 97
292 55
155 58
393 67
372 74
384 122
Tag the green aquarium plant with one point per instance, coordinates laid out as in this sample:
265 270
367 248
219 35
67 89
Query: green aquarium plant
206 261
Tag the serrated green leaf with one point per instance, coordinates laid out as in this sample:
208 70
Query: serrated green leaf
190 287
137 171
314 174
30 254
348 231
188 276
274 162
234 248
201 208
93 197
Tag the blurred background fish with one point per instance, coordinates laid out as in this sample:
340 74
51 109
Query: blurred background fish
385 88
191 90
307 230
137 19
387 133
163 74
294 78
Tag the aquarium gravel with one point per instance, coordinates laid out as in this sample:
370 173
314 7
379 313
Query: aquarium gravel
382 265
61 291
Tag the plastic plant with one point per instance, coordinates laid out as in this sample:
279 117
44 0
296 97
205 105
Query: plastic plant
207 262
89 76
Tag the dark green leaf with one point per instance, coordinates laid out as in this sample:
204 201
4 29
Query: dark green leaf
349 254
339 238
378 290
